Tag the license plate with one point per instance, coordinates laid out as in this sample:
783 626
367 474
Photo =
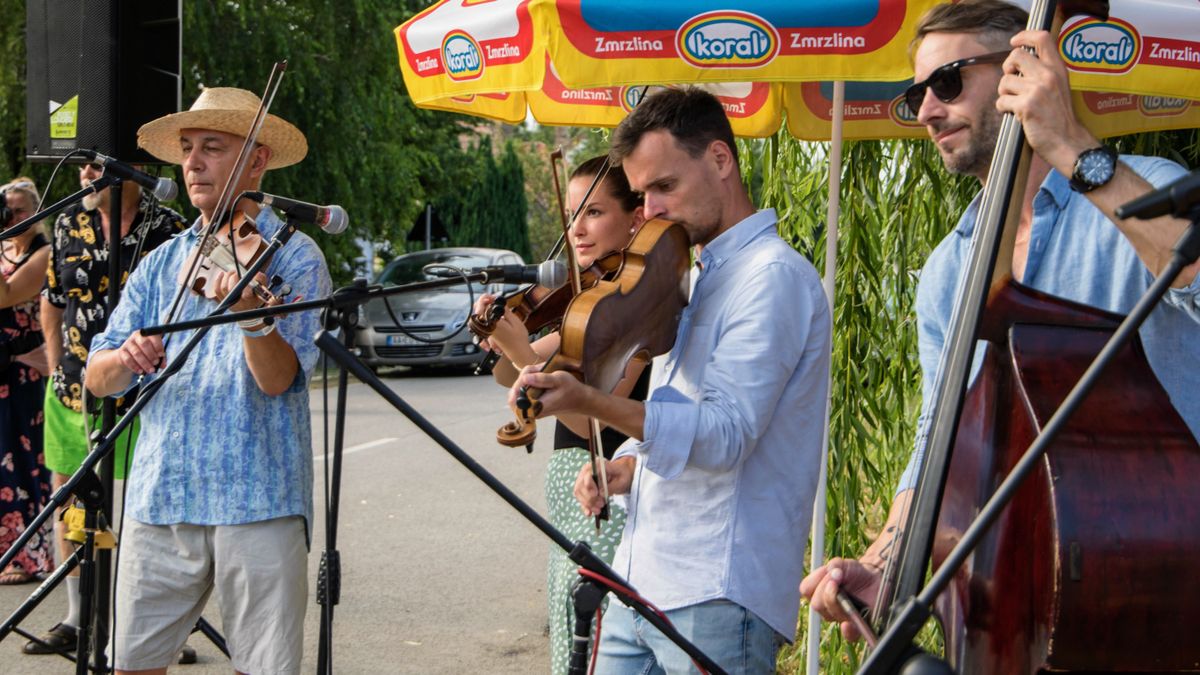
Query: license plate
401 340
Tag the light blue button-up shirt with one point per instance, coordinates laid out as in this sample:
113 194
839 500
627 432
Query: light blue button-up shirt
213 448
1076 253
722 495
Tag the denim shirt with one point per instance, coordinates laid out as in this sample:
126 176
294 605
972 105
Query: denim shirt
213 448
722 495
1076 253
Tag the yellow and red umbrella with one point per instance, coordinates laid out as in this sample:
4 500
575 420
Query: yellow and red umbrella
577 62
876 110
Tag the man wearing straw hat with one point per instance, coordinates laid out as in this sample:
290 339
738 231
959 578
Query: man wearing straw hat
220 491
970 69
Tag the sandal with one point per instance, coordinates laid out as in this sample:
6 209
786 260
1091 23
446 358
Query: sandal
13 575
60 638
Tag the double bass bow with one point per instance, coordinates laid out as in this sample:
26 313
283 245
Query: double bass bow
1081 546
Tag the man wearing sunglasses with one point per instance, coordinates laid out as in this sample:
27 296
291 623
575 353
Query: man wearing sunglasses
74 310
973 62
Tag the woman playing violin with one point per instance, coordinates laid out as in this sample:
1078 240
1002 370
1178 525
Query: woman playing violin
606 223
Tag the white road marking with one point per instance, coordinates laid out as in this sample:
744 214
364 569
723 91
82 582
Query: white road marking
358 448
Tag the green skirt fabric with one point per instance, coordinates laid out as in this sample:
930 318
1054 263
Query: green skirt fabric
64 439
567 516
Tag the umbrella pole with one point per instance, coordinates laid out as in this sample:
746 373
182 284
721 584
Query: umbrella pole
831 241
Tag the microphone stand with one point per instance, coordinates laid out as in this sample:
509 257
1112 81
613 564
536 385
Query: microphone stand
895 646
344 303
82 482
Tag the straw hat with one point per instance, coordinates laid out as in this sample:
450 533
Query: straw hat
223 109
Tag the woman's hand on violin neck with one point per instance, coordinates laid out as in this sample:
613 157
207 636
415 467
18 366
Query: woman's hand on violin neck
482 303
620 479
561 392
821 587
227 280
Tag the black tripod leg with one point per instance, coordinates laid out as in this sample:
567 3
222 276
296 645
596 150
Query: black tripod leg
10 624
329 578
211 633
586 597
87 582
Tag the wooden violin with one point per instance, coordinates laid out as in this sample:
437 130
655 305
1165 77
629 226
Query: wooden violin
217 254
538 307
632 315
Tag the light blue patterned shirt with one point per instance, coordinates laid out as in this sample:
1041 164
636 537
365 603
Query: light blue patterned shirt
722 496
213 448
1076 253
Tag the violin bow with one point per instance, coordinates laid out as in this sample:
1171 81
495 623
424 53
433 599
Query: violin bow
225 202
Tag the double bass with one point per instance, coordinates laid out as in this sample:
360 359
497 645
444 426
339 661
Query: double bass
1092 567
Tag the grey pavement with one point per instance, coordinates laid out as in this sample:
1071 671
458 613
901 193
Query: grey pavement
439 575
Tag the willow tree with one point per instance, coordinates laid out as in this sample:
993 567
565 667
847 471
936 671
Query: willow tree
897 203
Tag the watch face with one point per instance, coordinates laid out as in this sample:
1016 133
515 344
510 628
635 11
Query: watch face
1095 168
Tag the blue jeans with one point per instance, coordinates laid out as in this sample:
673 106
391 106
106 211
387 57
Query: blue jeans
731 635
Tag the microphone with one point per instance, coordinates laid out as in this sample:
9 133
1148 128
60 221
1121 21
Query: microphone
1176 199
163 189
549 274
332 219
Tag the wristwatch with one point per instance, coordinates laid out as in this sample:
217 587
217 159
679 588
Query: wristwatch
1094 168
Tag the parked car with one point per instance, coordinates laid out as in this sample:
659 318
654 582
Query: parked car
432 329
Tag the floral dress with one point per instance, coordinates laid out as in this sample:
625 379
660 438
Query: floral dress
24 481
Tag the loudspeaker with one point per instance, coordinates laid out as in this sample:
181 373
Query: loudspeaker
96 70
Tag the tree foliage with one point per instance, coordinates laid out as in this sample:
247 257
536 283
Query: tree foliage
370 149
490 209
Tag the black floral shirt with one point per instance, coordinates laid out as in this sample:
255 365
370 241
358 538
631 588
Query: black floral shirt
77 281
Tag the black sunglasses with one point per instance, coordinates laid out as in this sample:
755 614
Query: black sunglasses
946 81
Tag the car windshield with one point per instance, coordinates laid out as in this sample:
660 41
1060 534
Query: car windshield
409 269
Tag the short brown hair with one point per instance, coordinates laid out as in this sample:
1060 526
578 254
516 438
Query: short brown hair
693 116
996 20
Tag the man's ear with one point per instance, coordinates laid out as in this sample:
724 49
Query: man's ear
722 158
262 156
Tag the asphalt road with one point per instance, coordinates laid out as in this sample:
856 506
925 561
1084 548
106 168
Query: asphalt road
439 575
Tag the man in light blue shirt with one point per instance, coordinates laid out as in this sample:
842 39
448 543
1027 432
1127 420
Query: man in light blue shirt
1069 242
220 492
722 463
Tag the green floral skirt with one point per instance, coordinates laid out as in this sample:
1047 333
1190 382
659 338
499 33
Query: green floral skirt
568 517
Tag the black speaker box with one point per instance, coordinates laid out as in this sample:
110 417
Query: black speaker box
96 70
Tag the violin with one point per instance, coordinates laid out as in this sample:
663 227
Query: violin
538 307
217 254
632 314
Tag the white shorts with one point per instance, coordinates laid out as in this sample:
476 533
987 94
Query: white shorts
166 573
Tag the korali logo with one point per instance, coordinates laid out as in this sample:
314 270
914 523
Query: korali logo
1096 46
727 39
463 58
